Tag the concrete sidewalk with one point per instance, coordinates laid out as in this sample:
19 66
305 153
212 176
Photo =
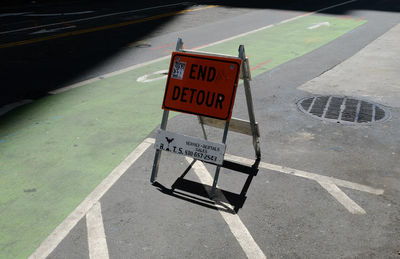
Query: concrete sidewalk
373 73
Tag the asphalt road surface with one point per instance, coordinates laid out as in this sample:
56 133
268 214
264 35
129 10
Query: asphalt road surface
94 77
56 43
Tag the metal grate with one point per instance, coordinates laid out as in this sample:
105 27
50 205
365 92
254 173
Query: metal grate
343 109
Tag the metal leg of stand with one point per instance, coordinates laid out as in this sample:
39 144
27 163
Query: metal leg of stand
256 141
158 152
156 163
202 127
214 186
249 100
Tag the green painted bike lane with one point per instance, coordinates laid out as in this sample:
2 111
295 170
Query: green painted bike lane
55 151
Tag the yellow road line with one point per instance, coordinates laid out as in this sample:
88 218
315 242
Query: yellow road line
101 28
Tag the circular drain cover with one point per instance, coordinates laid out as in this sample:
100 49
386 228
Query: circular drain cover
343 109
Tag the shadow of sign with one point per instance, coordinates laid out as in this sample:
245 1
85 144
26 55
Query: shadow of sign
199 194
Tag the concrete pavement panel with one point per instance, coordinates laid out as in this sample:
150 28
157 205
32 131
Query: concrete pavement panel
373 73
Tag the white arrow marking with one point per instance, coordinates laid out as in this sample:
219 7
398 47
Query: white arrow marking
147 78
52 30
315 26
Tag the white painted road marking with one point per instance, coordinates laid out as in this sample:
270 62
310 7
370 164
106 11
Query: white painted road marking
57 14
53 30
315 26
96 236
51 242
330 184
6 108
238 229
339 195
118 72
158 75
11 14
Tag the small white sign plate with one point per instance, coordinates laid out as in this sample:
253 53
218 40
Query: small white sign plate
197 148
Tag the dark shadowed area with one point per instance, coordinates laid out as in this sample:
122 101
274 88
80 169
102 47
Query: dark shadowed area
37 56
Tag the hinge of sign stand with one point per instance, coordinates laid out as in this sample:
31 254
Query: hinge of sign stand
245 71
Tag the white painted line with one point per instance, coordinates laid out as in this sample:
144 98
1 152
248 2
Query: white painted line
51 242
92 18
11 14
6 108
336 5
127 69
96 236
272 25
57 14
52 30
238 229
356 186
92 80
311 176
330 184
339 195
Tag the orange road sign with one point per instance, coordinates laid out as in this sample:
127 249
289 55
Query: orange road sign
202 84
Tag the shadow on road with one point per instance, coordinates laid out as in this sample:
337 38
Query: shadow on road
29 71
198 193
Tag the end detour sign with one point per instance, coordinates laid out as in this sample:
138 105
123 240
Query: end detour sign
202 84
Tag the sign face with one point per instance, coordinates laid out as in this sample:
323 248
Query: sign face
197 148
202 84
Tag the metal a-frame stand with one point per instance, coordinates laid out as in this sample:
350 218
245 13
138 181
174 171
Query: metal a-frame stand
237 125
